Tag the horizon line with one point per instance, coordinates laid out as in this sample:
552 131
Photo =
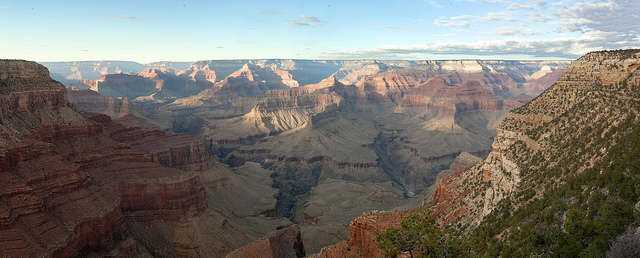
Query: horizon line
300 59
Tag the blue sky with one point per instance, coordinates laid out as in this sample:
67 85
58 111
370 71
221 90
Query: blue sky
189 30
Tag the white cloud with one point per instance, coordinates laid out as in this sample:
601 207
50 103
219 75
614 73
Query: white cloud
613 23
591 25
307 21
531 4
564 48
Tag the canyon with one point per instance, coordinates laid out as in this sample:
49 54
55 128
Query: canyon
550 174
86 184
320 129
365 135
263 156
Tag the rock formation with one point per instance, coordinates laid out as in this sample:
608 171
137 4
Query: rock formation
363 232
596 79
551 171
93 102
68 186
124 85
283 243
338 138
89 70
382 140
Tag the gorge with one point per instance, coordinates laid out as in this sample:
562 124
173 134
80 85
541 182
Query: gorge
239 147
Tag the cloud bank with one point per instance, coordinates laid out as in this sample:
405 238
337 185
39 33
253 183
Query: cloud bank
581 26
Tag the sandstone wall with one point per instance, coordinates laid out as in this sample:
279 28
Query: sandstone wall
66 185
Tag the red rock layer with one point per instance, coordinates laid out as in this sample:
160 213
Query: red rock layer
438 94
91 101
66 186
284 243
363 232
447 203
124 85
170 150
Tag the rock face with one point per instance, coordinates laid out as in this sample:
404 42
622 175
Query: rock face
446 202
566 133
283 243
363 232
375 132
152 84
532 139
89 70
176 151
93 102
124 85
252 80
176 84
69 187
284 113
338 138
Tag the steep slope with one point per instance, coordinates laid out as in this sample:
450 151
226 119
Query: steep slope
91 101
560 179
379 143
123 85
252 80
364 231
89 70
592 111
533 139
283 243
69 188
171 84
82 184
380 147
151 85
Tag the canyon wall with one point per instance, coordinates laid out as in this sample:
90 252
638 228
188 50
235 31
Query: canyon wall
550 159
69 186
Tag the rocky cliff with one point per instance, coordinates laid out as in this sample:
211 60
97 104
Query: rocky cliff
531 139
283 243
93 102
382 145
124 85
363 231
68 186
551 173
89 70
373 133
170 150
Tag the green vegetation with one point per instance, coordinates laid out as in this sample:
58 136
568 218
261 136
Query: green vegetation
419 236
578 217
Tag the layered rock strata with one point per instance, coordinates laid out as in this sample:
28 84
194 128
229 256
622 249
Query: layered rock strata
68 187
532 138
283 243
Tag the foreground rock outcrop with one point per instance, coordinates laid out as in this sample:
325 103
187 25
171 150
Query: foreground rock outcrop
283 243
363 232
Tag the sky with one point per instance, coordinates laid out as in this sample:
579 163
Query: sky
190 30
